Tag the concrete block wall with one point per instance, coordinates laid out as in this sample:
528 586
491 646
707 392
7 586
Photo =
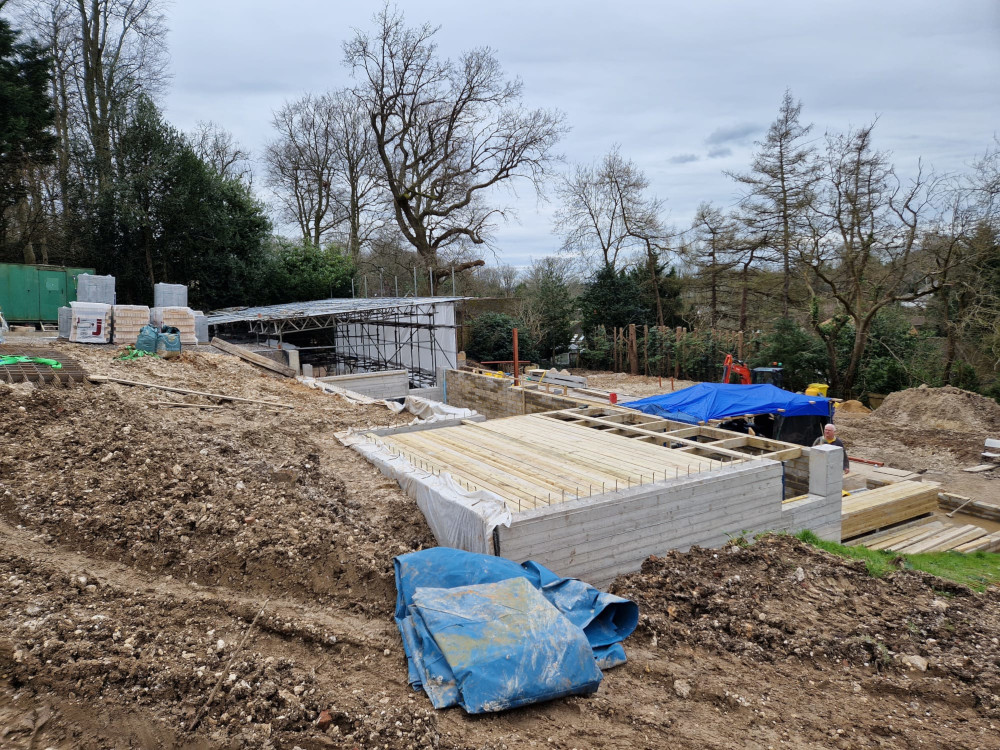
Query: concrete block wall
599 538
497 397
820 511
797 475
388 384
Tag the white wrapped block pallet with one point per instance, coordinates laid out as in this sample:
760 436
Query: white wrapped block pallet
201 327
129 320
181 318
170 295
65 322
97 289
91 323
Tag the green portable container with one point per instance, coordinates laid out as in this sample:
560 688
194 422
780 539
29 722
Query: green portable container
34 293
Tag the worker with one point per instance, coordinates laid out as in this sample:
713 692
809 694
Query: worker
830 438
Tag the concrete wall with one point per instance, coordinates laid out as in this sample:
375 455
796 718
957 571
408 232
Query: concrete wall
434 394
497 397
598 538
388 384
821 510
797 476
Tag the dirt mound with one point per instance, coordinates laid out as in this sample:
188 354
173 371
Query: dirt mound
232 569
946 408
852 407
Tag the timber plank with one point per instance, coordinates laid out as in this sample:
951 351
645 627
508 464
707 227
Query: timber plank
255 359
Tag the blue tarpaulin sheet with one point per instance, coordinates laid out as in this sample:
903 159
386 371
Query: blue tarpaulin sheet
488 634
705 401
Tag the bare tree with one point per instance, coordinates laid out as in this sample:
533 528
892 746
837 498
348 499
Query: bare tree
218 148
607 216
714 253
301 166
869 245
447 133
121 54
359 192
780 187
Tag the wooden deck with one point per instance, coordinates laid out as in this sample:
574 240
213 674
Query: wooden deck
932 535
533 461
887 506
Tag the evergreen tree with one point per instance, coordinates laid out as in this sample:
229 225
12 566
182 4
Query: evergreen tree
26 139
169 217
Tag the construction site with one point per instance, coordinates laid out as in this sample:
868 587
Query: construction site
198 551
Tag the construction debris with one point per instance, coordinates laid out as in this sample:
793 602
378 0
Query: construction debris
253 358
218 396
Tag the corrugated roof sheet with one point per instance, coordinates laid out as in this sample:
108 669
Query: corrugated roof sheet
321 307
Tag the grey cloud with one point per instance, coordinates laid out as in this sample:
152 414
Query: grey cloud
731 134
720 152
683 159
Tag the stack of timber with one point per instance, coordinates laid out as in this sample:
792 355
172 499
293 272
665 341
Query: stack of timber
887 506
933 536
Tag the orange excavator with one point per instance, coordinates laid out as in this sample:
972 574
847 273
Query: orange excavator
731 367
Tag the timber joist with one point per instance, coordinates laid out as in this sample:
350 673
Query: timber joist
535 461
708 441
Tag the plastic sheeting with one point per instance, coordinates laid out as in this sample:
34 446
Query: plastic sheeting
427 410
705 401
457 517
489 634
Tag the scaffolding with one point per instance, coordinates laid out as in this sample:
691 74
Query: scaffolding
367 335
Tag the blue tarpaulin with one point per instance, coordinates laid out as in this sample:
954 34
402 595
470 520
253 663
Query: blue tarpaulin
705 401
488 634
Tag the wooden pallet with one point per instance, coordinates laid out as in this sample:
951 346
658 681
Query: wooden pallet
887 506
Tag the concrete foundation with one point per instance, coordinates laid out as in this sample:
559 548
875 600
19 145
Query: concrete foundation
599 538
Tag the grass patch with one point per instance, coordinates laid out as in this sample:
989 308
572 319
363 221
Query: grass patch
977 570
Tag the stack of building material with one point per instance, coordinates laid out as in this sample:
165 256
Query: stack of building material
99 289
201 327
129 320
91 323
885 506
65 322
181 318
170 295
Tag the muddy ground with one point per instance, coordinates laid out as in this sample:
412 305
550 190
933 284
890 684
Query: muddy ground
937 432
173 577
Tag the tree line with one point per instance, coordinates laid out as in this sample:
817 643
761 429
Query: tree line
408 167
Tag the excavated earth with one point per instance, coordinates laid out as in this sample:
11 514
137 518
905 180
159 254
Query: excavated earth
177 577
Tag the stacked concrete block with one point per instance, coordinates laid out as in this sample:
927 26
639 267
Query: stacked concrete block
90 323
497 397
388 384
181 318
129 320
821 509
201 327
65 322
170 295
98 289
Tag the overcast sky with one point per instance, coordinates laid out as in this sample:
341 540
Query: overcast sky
685 88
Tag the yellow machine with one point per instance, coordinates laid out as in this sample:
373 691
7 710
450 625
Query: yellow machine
817 389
